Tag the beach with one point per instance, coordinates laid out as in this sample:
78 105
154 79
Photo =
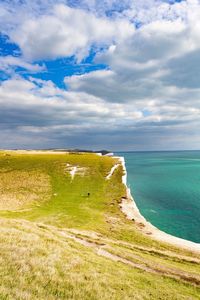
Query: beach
130 209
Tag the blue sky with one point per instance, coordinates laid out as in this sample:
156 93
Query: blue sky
100 74
56 69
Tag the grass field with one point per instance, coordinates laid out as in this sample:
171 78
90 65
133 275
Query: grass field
58 242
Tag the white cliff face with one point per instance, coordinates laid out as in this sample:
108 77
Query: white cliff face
124 177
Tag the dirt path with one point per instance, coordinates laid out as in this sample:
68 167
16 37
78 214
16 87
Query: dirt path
165 253
103 249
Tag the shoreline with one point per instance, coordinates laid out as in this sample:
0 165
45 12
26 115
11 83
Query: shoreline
130 209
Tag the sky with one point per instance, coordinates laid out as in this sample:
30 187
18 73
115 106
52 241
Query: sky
110 74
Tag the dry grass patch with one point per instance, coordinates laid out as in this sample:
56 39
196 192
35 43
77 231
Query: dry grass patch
39 262
21 188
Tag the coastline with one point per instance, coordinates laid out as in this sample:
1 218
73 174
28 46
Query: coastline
130 209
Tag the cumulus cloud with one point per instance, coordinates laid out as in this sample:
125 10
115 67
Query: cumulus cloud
158 62
148 97
156 71
39 107
9 63
67 32
140 10
51 29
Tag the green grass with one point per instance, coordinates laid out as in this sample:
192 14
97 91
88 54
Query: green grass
50 247
69 205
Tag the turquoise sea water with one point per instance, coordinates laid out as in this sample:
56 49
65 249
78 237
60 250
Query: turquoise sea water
166 189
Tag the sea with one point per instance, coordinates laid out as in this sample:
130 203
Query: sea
166 189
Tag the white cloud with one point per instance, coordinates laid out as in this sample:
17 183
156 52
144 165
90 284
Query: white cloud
156 71
9 63
47 106
158 62
148 97
38 109
66 32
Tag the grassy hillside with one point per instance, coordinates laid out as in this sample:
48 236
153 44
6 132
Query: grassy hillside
59 242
